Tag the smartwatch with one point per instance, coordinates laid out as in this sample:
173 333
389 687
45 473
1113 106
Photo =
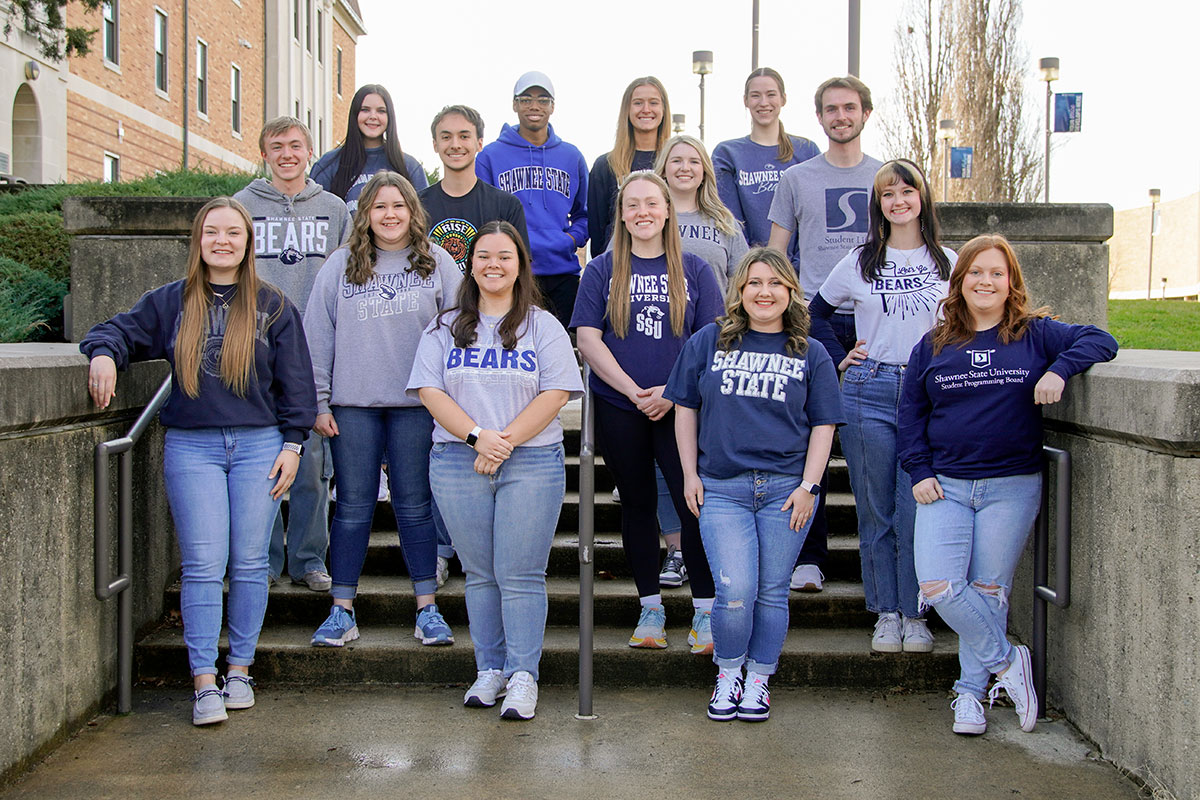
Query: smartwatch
298 449
473 436
811 488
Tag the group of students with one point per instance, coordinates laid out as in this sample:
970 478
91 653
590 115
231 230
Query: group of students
736 312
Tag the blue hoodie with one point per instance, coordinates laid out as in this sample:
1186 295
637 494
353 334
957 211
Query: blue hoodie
550 180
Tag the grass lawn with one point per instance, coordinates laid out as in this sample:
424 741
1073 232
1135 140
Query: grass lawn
1155 324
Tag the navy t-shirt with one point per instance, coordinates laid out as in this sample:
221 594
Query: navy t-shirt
649 348
757 405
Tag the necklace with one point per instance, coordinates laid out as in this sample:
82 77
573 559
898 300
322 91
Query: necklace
224 297
909 254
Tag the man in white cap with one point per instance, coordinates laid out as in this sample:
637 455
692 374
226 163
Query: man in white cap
549 177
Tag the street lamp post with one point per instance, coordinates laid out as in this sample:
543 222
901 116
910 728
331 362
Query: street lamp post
1048 67
947 133
1155 196
702 63
677 122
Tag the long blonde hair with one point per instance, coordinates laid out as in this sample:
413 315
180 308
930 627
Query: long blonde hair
360 266
707 199
735 323
620 160
198 312
622 262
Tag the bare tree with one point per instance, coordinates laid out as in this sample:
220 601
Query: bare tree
964 60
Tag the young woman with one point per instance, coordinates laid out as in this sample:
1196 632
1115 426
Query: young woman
643 126
371 145
706 226
494 372
637 306
757 405
895 281
240 407
748 168
369 305
971 440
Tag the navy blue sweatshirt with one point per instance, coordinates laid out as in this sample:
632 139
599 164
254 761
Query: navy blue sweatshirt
968 412
280 392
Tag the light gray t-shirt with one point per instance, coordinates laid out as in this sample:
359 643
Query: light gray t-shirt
828 208
894 311
702 237
492 384
363 338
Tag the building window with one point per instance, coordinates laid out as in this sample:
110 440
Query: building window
112 168
339 72
296 109
202 76
308 25
160 49
296 20
235 98
320 37
320 136
308 121
111 14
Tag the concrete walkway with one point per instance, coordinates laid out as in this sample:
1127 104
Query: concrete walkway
421 742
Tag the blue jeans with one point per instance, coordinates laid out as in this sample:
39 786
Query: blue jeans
308 514
751 551
221 502
502 526
973 540
882 490
365 435
668 520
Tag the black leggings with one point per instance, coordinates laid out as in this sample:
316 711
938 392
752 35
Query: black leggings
631 443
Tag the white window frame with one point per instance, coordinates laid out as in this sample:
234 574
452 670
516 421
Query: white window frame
320 36
202 83
162 27
115 161
338 77
235 100
110 17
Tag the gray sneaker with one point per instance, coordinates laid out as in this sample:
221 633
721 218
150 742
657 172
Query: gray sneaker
887 637
317 580
208 706
239 690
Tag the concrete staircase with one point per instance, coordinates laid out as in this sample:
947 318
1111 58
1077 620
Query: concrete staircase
828 646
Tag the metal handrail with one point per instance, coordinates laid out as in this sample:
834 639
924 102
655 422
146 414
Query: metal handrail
587 531
1060 593
105 584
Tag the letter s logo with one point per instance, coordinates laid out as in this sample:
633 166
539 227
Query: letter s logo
846 210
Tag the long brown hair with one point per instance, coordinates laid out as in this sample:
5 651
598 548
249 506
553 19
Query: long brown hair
360 266
872 255
735 323
525 293
786 151
198 312
957 325
620 160
707 199
622 262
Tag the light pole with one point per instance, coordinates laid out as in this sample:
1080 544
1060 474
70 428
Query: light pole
947 133
1155 196
702 62
677 122
754 36
854 26
1048 67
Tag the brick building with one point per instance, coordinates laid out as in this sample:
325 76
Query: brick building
174 82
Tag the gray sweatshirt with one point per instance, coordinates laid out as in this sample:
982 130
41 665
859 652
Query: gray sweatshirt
294 235
363 338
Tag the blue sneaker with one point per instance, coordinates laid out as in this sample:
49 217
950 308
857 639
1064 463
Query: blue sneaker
431 627
337 629
239 690
208 706
651 629
700 636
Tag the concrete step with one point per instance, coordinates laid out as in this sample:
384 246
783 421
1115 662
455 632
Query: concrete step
388 654
390 598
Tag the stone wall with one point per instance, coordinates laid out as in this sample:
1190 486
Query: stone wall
59 641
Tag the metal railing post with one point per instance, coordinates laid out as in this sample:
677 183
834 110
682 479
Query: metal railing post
587 502
1043 593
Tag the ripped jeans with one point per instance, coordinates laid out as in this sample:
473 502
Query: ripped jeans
966 550
751 551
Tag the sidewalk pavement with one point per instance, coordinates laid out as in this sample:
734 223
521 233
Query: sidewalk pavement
373 742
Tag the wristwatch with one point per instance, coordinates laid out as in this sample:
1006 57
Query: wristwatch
811 488
298 449
473 436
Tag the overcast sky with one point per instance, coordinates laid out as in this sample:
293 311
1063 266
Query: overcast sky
1138 131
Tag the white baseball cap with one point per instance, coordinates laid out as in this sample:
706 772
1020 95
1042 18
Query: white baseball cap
531 79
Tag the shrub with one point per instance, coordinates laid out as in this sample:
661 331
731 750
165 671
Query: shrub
38 240
179 183
30 303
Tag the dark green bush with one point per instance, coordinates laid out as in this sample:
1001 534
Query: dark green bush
38 240
30 303
180 183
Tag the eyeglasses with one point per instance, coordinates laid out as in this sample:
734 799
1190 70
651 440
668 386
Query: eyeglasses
525 101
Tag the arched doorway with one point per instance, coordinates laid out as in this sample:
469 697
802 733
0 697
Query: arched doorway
27 136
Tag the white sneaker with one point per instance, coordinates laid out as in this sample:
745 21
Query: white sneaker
916 636
384 493
807 578
489 684
520 701
443 571
968 715
1017 683
887 638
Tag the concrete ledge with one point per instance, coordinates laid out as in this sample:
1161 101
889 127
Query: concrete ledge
155 216
1027 222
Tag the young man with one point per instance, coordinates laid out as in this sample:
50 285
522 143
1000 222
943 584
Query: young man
297 225
549 177
824 200
459 204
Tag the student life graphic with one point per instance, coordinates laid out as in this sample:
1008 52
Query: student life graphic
846 216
